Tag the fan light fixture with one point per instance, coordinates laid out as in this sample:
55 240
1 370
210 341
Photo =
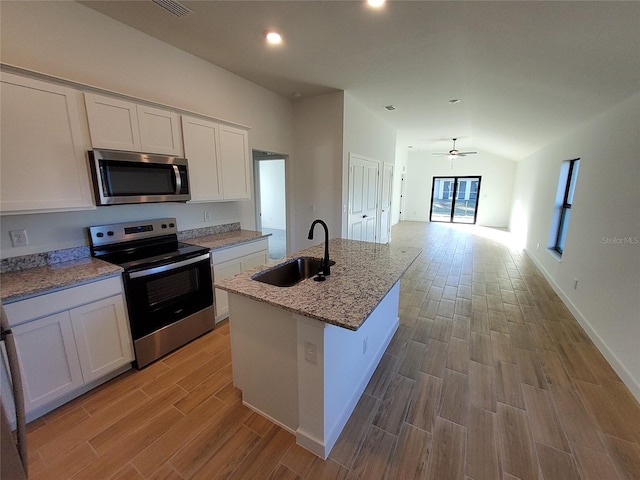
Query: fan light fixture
454 152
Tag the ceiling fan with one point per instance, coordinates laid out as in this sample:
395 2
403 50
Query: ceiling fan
453 153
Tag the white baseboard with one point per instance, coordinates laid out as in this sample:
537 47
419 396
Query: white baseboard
609 355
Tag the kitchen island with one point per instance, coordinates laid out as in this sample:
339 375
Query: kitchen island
303 355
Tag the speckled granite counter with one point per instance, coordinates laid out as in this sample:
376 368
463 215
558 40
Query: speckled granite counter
27 283
362 275
227 239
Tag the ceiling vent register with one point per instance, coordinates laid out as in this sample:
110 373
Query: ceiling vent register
176 8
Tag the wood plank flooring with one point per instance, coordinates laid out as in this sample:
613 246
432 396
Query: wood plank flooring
488 377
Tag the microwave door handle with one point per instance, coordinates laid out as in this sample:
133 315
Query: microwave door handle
176 174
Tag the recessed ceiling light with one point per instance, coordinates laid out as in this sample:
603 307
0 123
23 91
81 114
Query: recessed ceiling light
375 3
296 95
274 38
453 101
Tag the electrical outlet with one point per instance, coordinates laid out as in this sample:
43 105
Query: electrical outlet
575 283
310 352
19 238
365 345
207 216
538 246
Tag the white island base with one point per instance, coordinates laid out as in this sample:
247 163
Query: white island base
304 374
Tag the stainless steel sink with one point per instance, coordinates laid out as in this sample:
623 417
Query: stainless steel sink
290 272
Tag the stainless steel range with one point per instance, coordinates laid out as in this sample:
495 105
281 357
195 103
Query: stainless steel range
167 283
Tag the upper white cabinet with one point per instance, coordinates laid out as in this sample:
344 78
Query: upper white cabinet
44 141
202 150
219 160
121 125
235 163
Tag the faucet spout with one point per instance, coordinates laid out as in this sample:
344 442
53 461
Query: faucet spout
325 261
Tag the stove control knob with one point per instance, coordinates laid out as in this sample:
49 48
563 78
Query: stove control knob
172 225
99 234
110 233
164 225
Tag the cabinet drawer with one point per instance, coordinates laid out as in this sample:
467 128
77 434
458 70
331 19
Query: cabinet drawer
236 251
48 303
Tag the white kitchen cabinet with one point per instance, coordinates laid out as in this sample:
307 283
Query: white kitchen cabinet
69 341
235 163
219 160
44 141
48 359
102 336
230 261
201 148
122 125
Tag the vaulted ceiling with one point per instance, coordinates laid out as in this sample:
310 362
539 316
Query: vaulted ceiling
524 72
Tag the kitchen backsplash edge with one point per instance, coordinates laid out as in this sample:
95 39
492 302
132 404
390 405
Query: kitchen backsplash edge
14 264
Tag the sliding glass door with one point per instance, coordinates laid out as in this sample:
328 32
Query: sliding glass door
454 199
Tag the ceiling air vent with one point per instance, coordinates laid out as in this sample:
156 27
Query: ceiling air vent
391 108
174 7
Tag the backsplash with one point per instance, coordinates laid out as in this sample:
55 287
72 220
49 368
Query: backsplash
204 231
14 264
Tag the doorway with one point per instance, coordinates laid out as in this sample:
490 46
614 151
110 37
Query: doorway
271 200
455 199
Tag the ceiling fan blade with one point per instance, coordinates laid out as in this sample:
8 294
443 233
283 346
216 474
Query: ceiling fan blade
467 153
440 154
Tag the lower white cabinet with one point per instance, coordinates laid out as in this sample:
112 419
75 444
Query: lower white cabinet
230 261
69 351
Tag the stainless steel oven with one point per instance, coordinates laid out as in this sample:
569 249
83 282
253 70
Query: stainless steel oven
168 284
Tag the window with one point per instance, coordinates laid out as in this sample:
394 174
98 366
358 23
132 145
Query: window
462 190
564 202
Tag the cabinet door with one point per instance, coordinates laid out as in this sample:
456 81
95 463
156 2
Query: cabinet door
221 271
159 131
48 359
201 145
255 260
101 331
44 144
235 163
113 123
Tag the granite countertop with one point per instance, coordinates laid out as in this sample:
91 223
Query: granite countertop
39 280
361 277
227 239
29 282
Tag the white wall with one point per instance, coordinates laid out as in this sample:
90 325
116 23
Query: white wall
602 248
496 187
402 159
272 198
368 135
70 41
317 171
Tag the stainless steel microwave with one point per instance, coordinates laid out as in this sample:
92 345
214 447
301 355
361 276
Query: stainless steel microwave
129 177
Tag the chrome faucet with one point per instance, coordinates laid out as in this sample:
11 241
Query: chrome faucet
325 261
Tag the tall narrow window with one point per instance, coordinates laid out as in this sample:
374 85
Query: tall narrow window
564 202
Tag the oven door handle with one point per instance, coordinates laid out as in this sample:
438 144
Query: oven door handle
168 267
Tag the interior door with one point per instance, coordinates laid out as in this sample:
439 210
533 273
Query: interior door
363 199
385 200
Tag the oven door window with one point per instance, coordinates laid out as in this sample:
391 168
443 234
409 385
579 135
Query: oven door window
160 299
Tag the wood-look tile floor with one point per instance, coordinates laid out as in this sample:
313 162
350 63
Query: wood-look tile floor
488 377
